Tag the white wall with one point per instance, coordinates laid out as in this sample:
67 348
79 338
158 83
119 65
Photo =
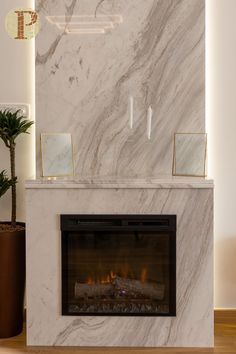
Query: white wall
16 86
221 114
16 61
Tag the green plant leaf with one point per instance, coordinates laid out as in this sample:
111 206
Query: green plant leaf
12 124
6 183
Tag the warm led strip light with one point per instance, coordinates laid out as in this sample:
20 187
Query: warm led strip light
85 24
85 31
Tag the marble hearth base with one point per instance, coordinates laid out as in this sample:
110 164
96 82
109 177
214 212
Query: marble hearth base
193 205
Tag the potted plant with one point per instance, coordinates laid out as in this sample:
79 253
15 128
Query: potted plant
12 235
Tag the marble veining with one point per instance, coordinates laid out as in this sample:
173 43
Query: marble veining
193 325
84 82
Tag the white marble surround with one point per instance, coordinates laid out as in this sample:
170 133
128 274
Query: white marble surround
192 202
114 182
84 82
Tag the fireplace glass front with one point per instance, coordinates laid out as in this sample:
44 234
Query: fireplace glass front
118 265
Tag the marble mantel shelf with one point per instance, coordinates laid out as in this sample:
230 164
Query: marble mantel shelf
126 183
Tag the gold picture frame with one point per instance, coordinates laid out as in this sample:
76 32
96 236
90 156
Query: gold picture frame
189 155
57 155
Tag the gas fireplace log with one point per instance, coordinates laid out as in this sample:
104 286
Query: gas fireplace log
129 286
152 290
92 290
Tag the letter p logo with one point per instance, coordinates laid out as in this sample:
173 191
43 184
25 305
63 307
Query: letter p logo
22 23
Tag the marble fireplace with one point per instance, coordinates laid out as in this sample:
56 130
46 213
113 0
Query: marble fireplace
150 53
192 203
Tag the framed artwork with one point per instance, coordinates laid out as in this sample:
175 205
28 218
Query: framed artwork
57 155
189 157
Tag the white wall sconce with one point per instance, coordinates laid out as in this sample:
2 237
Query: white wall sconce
149 122
131 112
86 24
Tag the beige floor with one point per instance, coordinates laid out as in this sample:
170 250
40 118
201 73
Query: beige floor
225 342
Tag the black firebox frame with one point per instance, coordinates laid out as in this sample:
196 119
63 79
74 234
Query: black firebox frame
157 223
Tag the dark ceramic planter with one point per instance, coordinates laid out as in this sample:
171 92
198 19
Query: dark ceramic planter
12 282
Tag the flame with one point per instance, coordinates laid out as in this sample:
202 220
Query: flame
90 280
143 275
125 272
104 279
113 275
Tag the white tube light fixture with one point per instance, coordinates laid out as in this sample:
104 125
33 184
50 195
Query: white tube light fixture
149 122
85 31
131 115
